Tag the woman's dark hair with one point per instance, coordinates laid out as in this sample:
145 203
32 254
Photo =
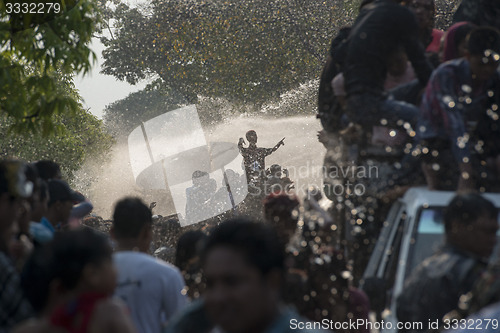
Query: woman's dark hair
258 243
75 249
44 190
130 216
461 33
38 272
482 39
64 258
48 169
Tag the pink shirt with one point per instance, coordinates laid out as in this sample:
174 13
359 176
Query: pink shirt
436 41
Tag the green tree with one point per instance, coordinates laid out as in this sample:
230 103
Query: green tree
122 116
78 136
38 43
243 51
248 52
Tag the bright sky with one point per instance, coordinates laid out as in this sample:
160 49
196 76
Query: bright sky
99 90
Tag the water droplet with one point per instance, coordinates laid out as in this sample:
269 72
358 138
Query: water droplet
466 89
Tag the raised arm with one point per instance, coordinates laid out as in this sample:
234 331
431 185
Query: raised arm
280 143
241 142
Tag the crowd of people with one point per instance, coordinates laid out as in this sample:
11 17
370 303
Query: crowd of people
426 97
59 275
277 275
404 84
394 77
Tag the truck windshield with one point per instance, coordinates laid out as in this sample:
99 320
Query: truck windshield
429 236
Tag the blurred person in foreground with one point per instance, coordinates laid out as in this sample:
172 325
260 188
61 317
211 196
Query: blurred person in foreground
14 190
281 210
74 279
436 285
50 170
152 289
243 264
39 232
22 242
187 259
61 198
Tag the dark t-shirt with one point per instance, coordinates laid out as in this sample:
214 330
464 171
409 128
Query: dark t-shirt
377 32
434 288
254 159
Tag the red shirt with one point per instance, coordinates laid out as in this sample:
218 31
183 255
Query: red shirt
436 41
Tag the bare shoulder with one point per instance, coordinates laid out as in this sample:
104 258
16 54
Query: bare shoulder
111 315
111 305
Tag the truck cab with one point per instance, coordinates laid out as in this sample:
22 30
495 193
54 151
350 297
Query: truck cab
413 231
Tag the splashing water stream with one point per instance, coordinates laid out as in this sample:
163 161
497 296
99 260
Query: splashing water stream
302 155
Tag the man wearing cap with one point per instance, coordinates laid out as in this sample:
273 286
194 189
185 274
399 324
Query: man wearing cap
14 189
60 205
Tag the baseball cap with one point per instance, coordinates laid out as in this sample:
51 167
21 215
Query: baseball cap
59 190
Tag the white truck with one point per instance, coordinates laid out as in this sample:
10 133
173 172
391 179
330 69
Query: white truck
412 232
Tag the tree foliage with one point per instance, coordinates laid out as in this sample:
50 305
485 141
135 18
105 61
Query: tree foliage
79 136
244 51
122 116
36 48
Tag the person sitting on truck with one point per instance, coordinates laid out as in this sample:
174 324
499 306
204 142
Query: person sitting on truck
399 72
425 12
458 115
435 286
455 41
379 30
